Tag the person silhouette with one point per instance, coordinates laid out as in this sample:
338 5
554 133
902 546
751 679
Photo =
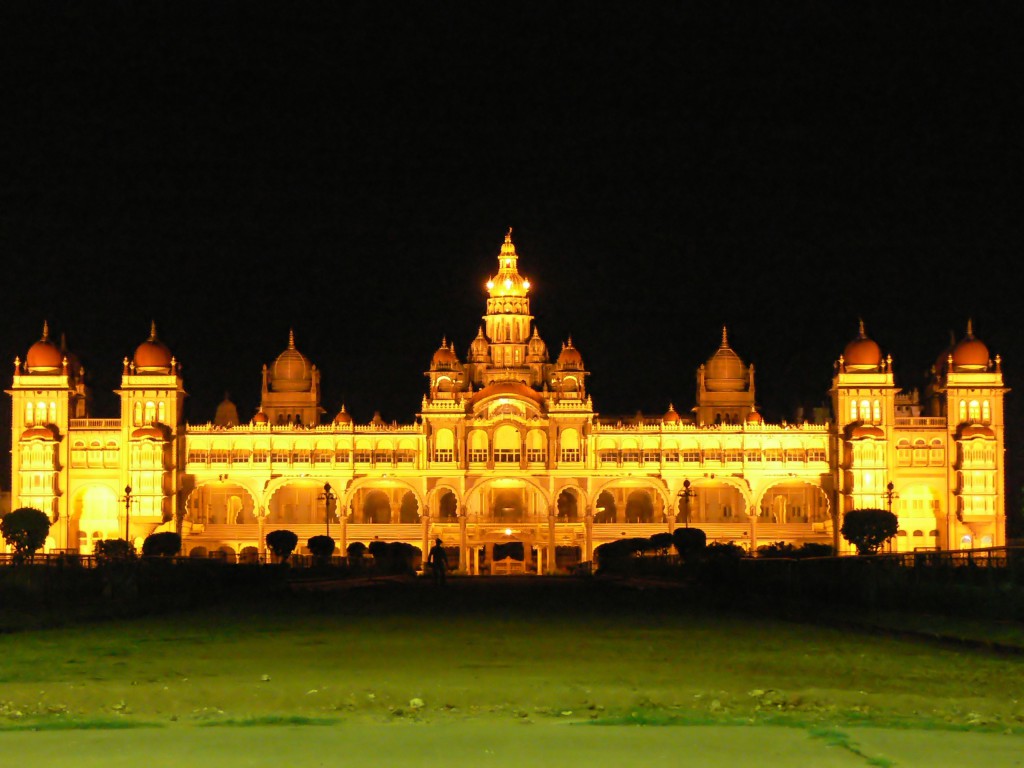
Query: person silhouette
438 561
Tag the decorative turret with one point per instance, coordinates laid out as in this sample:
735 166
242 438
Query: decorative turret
152 355
44 356
291 388
725 386
862 354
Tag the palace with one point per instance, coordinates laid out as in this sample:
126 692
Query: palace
507 461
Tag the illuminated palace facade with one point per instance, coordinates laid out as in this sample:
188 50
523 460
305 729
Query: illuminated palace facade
507 447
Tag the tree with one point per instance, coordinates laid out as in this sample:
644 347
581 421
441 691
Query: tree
164 544
109 550
868 529
26 530
282 543
661 542
321 547
689 542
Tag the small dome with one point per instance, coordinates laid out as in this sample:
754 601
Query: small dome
862 354
970 354
44 356
149 432
724 371
39 432
260 418
152 355
570 357
292 371
479 347
343 417
754 417
444 357
377 420
536 349
671 416
226 414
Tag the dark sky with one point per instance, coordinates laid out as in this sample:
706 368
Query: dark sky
236 169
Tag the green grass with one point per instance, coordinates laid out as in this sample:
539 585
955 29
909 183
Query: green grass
360 659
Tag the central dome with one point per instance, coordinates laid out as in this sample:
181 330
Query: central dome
292 371
152 355
724 371
44 356
862 354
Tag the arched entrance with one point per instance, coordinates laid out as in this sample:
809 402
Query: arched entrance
512 515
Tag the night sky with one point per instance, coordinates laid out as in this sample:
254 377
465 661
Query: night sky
232 170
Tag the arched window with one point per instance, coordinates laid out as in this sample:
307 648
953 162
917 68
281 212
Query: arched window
161 413
974 411
876 411
865 410
853 410
986 411
29 413
137 414
963 410
150 415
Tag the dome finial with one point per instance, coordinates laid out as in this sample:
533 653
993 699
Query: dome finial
508 235
291 338
152 330
46 331
725 337
970 328
861 333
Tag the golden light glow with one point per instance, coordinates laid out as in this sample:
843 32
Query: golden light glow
508 284
526 284
490 284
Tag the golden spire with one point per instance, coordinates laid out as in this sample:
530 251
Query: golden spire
152 330
291 338
46 331
861 333
725 338
970 328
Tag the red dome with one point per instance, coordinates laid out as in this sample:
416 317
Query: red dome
260 418
671 415
44 356
570 357
754 418
862 431
976 430
152 355
343 417
862 354
970 354
444 357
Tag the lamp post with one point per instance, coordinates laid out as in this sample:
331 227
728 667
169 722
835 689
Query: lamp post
328 496
127 511
687 493
889 494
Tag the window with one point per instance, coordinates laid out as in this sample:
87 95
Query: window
405 456
651 457
986 412
570 455
302 456
322 456
733 455
670 457
773 454
608 456
691 456
631 455
753 457
219 456
260 455
444 454
865 410
536 455
876 411
795 455
198 456
713 454
241 456
506 455
383 456
816 454
280 456
478 455
853 410
363 455
974 411
341 456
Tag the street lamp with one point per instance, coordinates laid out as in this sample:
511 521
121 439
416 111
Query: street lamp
687 493
889 494
328 496
127 511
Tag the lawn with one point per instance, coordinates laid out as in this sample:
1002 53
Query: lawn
407 653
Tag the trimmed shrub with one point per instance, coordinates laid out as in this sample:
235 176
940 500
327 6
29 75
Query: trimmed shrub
113 550
868 529
26 530
777 549
282 543
164 544
690 543
356 550
662 542
813 549
321 547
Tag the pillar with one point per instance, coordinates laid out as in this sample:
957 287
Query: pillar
551 541
425 549
464 546
588 529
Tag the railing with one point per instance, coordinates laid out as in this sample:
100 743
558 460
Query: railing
920 421
94 424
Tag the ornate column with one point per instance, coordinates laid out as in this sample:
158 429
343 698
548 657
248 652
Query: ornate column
262 520
551 541
343 539
588 530
463 545
752 514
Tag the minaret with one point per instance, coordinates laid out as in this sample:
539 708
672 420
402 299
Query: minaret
508 317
